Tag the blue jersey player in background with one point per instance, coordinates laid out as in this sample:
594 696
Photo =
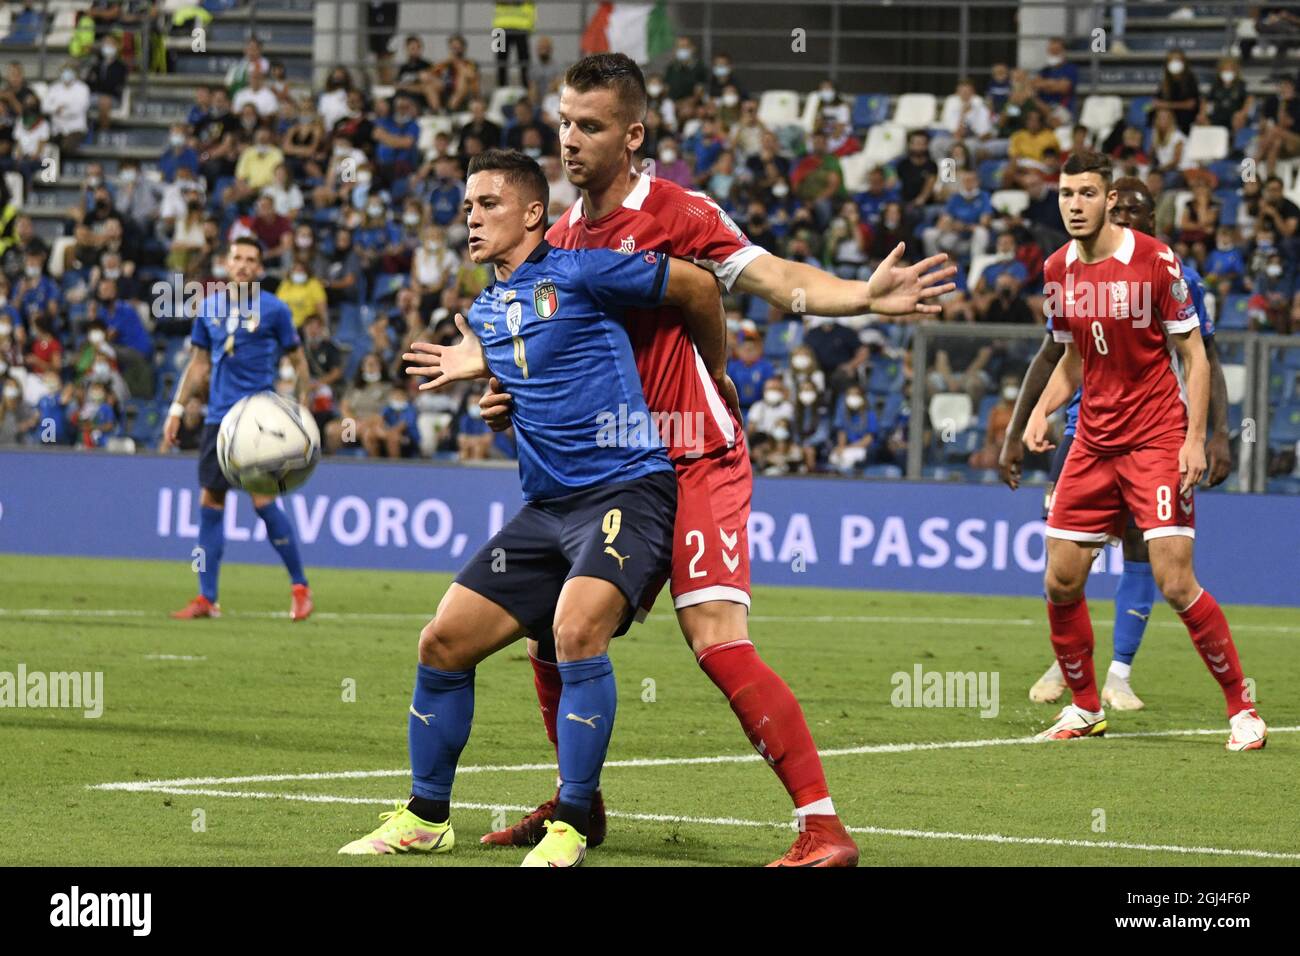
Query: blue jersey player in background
596 528
1136 591
239 335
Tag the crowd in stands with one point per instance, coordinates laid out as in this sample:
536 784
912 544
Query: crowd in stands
358 209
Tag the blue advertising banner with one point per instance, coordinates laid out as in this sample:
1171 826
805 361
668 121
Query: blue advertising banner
955 538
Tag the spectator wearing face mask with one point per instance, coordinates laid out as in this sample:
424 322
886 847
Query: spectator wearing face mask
67 103
1057 82
686 75
53 427
396 137
810 426
1007 264
31 133
432 267
177 154
378 238
11 344
38 294
473 436
670 165
342 270
657 99
403 425
363 406
762 415
723 76
1225 266
95 417
781 454
107 80
271 229
1274 305
996 428
855 431
46 351
286 197
255 170
804 370
1228 104
138 198
963 228
17 418
1178 91
303 293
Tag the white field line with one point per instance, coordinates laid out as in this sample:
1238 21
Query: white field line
186 782
45 612
765 824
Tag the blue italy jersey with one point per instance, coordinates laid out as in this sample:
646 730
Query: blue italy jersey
1196 285
553 335
245 340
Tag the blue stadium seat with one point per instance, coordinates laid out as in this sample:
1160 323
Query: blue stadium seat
1242 139
1284 426
1290 357
142 421
885 375
1283 486
1226 171
870 109
387 285
1233 313
882 471
990 171
1228 203
987 404
1136 114
782 339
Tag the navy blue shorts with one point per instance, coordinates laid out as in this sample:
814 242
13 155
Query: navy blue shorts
210 474
621 533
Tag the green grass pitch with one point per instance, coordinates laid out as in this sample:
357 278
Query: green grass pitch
252 695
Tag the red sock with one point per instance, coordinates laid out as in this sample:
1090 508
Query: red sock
546 678
770 717
1072 641
1209 630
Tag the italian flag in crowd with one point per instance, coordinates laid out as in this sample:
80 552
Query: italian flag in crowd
641 30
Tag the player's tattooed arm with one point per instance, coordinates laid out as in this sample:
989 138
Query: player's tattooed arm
1031 389
1064 382
1196 373
193 384
891 290
444 364
1219 448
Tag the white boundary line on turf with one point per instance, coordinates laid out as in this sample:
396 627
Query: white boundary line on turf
757 618
766 824
186 782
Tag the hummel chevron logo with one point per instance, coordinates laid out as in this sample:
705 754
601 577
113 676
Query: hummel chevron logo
1221 659
1175 269
1138 614
728 540
732 561
614 554
589 721
423 717
1074 675
1186 507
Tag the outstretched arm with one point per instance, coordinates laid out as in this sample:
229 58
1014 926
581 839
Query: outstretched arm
444 364
891 290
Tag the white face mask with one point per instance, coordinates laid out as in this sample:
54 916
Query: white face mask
1227 76
1274 270
474 411
1175 67
176 139
780 190
1005 256
683 54
372 377
96 336
219 271
12 391
854 402
781 434
128 176
303 242
533 152
6 329
655 90
286 375
801 362
364 177
1055 60
411 218
109 51
721 72
375 211
668 155
1009 393
101 370
299 278
827 96
400 404
772 396
807 397
93 182
730 99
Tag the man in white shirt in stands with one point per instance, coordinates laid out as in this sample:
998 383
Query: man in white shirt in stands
967 118
259 94
67 103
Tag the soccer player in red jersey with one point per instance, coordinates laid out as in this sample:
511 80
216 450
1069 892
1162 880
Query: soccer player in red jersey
601 110
1118 301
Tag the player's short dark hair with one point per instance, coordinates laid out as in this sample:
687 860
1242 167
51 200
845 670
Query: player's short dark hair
1088 161
248 241
1131 184
611 71
521 171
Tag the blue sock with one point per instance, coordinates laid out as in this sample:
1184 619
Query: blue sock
279 531
212 539
437 729
1133 598
586 721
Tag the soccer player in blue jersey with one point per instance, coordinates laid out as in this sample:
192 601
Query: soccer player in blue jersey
239 335
596 529
1134 208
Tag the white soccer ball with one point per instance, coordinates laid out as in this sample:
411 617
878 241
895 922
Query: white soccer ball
267 445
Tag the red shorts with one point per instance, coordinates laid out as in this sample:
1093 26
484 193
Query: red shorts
711 534
1096 494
